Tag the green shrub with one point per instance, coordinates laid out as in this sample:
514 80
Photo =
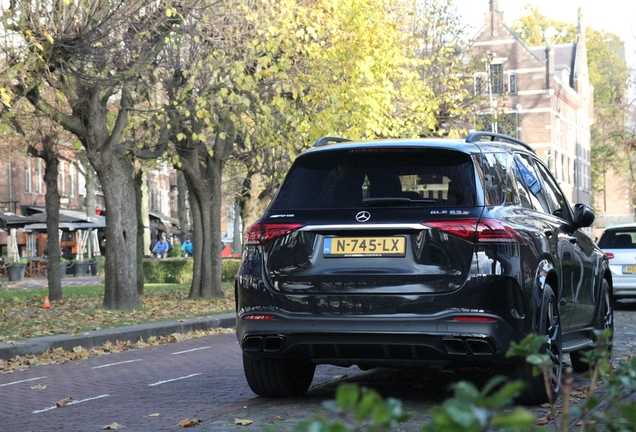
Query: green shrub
230 269
168 270
179 270
175 251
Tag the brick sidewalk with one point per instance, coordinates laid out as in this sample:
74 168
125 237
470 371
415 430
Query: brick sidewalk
42 282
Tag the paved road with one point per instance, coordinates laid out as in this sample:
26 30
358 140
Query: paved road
203 379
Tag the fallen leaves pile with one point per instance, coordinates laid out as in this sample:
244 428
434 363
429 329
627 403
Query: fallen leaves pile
24 318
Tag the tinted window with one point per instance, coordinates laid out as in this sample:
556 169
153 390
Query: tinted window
341 179
556 200
618 239
499 188
530 179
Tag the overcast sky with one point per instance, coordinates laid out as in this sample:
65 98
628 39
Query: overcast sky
616 16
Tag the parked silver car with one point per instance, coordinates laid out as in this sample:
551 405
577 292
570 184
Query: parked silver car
619 244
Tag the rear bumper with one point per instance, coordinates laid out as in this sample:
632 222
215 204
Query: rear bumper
624 285
371 341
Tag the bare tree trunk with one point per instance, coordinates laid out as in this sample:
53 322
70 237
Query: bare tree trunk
52 225
115 172
237 240
205 205
198 240
52 206
201 204
138 181
182 211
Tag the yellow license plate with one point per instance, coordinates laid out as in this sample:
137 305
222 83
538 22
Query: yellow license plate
364 246
629 269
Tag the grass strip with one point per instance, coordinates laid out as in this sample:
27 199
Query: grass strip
23 315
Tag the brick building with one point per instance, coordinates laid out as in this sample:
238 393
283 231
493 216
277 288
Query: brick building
540 95
22 192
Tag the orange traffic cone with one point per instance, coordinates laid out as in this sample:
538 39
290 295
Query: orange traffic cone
47 303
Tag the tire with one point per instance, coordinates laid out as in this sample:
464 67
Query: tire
604 320
535 392
278 378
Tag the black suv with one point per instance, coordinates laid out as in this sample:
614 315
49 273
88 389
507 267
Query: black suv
417 252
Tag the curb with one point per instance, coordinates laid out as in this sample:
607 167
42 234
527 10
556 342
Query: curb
95 338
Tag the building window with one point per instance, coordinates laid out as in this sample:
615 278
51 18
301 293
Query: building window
38 176
504 123
512 84
71 180
496 78
479 85
60 177
28 179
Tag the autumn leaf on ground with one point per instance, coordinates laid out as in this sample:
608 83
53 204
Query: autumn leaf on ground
278 418
114 426
189 422
243 422
154 415
63 402
542 421
38 387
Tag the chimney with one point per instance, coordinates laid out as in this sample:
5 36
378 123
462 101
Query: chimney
549 66
495 16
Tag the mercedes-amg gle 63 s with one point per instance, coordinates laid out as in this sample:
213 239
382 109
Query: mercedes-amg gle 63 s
418 252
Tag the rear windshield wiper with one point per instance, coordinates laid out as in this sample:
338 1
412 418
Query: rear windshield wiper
378 202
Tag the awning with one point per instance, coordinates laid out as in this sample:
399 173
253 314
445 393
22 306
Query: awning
12 220
75 220
166 220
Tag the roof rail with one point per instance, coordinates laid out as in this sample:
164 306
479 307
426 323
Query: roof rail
327 139
474 137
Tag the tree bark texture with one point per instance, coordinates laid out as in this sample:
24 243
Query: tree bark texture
138 182
182 211
52 205
203 175
116 176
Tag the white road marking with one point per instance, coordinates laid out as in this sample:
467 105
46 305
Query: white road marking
21 381
114 364
187 351
173 379
73 402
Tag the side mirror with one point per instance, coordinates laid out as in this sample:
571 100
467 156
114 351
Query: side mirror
583 215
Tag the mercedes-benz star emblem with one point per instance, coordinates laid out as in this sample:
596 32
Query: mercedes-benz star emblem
363 216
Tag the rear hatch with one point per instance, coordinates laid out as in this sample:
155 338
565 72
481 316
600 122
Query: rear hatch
372 220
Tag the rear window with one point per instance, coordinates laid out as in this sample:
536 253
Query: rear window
618 239
342 179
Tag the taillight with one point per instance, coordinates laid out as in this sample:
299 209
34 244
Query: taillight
609 255
483 231
258 317
260 233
